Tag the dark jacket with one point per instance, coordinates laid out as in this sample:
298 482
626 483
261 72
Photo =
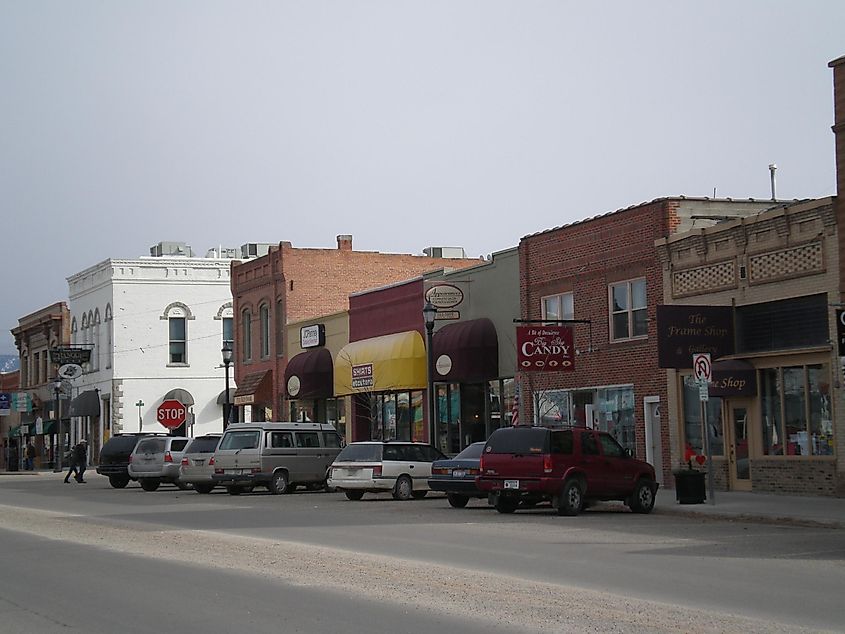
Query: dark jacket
79 455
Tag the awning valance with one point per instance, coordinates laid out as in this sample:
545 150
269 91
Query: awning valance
310 374
183 396
255 389
733 377
221 398
381 364
86 404
466 352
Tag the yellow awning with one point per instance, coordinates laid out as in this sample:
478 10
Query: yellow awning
381 364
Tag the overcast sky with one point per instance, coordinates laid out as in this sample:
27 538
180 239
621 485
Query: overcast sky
405 124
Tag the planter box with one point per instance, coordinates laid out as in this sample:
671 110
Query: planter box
689 487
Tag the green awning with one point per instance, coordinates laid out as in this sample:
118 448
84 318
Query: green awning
14 432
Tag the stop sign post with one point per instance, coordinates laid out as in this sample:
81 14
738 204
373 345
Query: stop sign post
171 413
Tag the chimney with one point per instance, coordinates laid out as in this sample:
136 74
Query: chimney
344 242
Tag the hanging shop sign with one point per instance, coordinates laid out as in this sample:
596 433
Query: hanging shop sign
5 404
66 355
362 375
545 348
312 336
444 295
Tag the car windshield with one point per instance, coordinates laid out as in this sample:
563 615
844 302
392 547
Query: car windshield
519 440
471 452
360 453
240 440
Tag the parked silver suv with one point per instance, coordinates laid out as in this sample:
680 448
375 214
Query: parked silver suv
157 460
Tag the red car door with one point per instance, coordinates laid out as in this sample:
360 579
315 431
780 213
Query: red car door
592 463
619 469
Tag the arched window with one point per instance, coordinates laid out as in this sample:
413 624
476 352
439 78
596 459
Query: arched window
264 318
177 315
246 326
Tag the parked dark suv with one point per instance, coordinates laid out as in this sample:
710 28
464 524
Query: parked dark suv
568 467
114 457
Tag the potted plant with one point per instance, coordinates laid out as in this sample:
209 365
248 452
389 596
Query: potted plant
689 481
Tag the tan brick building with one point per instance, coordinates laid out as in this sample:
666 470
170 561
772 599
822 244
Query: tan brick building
294 284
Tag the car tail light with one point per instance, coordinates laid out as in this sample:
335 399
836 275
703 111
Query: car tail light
130 457
256 470
211 461
440 470
473 471
219 471
547 463
185 462
377 471
168 457
481 464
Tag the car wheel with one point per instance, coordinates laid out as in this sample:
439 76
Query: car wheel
571 498
279 483
353 495
203 488
505 504
234 490
419 495
403 489
149 484
182 486
118 482
642 499
457 501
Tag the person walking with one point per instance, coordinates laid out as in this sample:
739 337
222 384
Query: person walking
29 455
71 463
81 460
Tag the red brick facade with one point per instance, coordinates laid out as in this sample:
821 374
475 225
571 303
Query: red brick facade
298 284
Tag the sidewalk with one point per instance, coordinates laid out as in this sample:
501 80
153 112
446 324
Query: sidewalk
759 507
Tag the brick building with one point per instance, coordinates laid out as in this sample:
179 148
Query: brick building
604 273
294 284
10 383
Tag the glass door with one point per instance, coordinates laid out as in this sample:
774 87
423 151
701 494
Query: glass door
739 425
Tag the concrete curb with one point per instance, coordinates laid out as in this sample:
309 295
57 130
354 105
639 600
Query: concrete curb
756 518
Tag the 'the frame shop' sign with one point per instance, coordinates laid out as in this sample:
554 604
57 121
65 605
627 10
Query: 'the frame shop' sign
684 330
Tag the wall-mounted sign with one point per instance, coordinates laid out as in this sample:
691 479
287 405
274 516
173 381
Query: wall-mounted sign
63 356
840 331
294 385
544 348
312 336
70 371
447 314
444 295
733 377
443 365
362 375
684 330
5 404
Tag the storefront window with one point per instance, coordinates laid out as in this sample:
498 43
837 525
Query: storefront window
795 404
417 416
553 407
615 415
770 412
391 416
403 415
693 428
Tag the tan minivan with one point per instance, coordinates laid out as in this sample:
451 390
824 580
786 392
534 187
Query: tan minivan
280 456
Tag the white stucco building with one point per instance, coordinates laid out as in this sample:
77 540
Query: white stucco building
155 326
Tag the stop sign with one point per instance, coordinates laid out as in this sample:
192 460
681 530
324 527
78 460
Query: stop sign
171 413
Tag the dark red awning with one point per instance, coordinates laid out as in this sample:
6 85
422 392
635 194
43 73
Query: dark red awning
310 375
466 352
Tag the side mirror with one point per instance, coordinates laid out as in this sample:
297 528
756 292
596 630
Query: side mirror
629 453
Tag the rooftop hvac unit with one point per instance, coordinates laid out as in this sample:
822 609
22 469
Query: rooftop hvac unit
445 252
168 249
254 249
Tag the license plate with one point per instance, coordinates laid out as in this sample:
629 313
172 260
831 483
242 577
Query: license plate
459 473
235 471
511 484
199 463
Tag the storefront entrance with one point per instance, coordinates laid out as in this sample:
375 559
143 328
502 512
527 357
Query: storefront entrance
738 428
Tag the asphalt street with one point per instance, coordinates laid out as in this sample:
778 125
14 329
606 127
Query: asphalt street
208 561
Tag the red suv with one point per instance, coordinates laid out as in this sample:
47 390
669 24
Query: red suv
567 467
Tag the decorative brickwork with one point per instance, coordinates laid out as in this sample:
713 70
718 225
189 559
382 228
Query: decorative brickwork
774 265
703 279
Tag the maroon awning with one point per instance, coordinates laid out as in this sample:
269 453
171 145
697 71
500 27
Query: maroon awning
466 352
733 377
255 389
310 375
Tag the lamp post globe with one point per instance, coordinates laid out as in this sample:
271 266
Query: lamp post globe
429 314
227 360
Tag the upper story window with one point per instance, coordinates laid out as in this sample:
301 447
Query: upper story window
556 307
264 319
178 340
229 331
246 325
628 310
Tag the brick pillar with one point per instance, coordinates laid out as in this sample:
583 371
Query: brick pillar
838 66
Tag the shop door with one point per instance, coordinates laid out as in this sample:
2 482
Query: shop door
739 427
472 414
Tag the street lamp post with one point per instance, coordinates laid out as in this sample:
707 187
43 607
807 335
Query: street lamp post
139 405
227 360
57 446
429 314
